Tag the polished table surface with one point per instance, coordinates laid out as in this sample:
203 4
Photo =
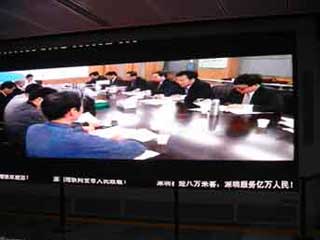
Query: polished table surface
198 136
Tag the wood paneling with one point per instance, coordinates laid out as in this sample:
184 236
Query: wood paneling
151 67
98 68
65 80
231 71
144 70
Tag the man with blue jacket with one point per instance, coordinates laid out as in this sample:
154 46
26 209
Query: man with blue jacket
58 138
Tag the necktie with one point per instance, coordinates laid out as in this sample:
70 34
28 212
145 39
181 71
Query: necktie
246 98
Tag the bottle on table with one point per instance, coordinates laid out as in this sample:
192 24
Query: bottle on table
213 114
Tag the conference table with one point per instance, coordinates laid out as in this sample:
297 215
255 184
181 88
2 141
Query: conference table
184 133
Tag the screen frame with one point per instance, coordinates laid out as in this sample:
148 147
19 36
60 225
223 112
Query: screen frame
277 34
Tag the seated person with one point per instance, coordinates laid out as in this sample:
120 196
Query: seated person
114 79
6 90
28 80
194 88
40 82
156 80
94 77
163 85
58 139
19 99
24 115
136 82
248 90
169 86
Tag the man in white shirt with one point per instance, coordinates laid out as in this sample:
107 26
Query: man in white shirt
248 90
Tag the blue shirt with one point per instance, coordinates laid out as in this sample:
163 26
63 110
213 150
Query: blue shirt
53 140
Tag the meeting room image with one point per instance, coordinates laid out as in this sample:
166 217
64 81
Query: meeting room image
233 108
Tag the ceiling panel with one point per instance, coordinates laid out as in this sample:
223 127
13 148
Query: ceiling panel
123 12
13 26
255 7
25 18
304 5
190 9
34 17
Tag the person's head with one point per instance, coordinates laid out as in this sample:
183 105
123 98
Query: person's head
131 76
170 76
247 83
7 87
37 95
65 106
31 87
94 75
19 83
39 82
111 74
29 77
157 76
186 78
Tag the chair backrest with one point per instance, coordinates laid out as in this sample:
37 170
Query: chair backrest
222 91
287 100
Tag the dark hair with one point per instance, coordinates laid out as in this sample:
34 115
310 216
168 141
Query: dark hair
40 92
29 75
31 87
56 105
110 73
39 82
7 84
96 73
189 74
132 73
160 73
248 79
169 72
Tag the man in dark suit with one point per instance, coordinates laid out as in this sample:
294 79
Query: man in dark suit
136 82
164 85
6 90
194 88
94 77
248 90
24 115
114 79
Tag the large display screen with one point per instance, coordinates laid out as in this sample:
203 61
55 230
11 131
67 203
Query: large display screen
213 109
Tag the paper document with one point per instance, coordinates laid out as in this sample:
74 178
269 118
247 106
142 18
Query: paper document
147 154
288 122
240 109
129 103
142 134
290 130
132 93
89 118
89 93
154 102
103 82
163 139
204 105
177 97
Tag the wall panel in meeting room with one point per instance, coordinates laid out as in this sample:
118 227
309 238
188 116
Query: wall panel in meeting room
230 71
144 70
